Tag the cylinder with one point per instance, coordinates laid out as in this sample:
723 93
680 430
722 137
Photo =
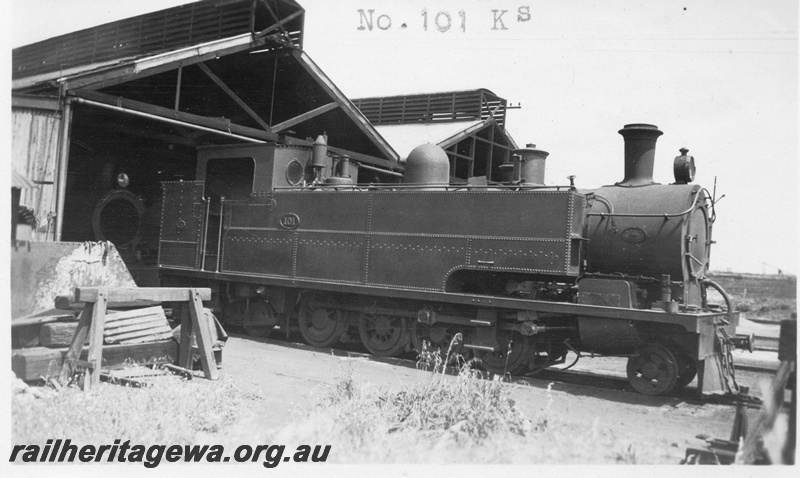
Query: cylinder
532 162
640 150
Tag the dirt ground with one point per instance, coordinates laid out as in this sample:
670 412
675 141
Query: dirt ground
285 377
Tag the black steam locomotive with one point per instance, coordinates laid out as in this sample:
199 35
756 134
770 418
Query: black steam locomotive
525 273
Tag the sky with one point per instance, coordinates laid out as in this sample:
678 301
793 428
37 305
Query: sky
719 77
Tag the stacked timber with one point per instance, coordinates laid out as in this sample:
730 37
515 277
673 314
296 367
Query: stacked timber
37 363
140 335
136 326
58 334
127 327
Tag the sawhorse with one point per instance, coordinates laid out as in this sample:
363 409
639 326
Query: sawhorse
92 323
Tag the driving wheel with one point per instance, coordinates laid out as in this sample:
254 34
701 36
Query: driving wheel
654 371
511 356
383 335
320 326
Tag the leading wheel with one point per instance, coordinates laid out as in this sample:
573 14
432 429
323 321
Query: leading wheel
654 371
320 326
383 335
511 356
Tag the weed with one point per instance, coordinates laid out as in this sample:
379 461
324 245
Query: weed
173 412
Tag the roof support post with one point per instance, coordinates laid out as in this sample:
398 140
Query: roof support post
63 159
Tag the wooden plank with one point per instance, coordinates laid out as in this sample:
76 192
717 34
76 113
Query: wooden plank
187 328
161 294
144 324
126 382
115 317
57 334
96 340
36 102
137 372
201 326
150 338
37 362
118 356
162 331
67 302
304 117
45 317
25 336
81 333
179 370
121 324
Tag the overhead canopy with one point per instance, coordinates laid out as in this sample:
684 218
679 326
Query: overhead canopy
468 125
203 73
162 31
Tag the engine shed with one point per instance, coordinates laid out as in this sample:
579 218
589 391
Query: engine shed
468 125
102 116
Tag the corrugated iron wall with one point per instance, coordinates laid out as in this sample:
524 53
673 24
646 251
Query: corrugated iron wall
34 154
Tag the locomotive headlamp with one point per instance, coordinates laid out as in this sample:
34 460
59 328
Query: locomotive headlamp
683 167
123 180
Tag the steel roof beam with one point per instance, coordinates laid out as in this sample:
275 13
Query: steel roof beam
159 113
218 81
349 109
304 117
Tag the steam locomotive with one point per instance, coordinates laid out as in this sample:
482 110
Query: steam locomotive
524 272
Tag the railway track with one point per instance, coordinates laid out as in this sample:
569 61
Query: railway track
600 374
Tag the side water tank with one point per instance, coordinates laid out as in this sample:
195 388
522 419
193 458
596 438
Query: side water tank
427 165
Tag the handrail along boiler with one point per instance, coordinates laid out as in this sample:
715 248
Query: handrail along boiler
524 272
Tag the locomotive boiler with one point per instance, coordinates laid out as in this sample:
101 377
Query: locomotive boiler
524 272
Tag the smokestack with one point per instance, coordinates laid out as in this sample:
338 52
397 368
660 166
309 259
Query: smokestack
640 150
532 165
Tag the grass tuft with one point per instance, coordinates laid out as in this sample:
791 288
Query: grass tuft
170 412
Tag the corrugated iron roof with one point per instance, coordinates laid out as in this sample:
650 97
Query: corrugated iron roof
405 137
434 107
164 30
